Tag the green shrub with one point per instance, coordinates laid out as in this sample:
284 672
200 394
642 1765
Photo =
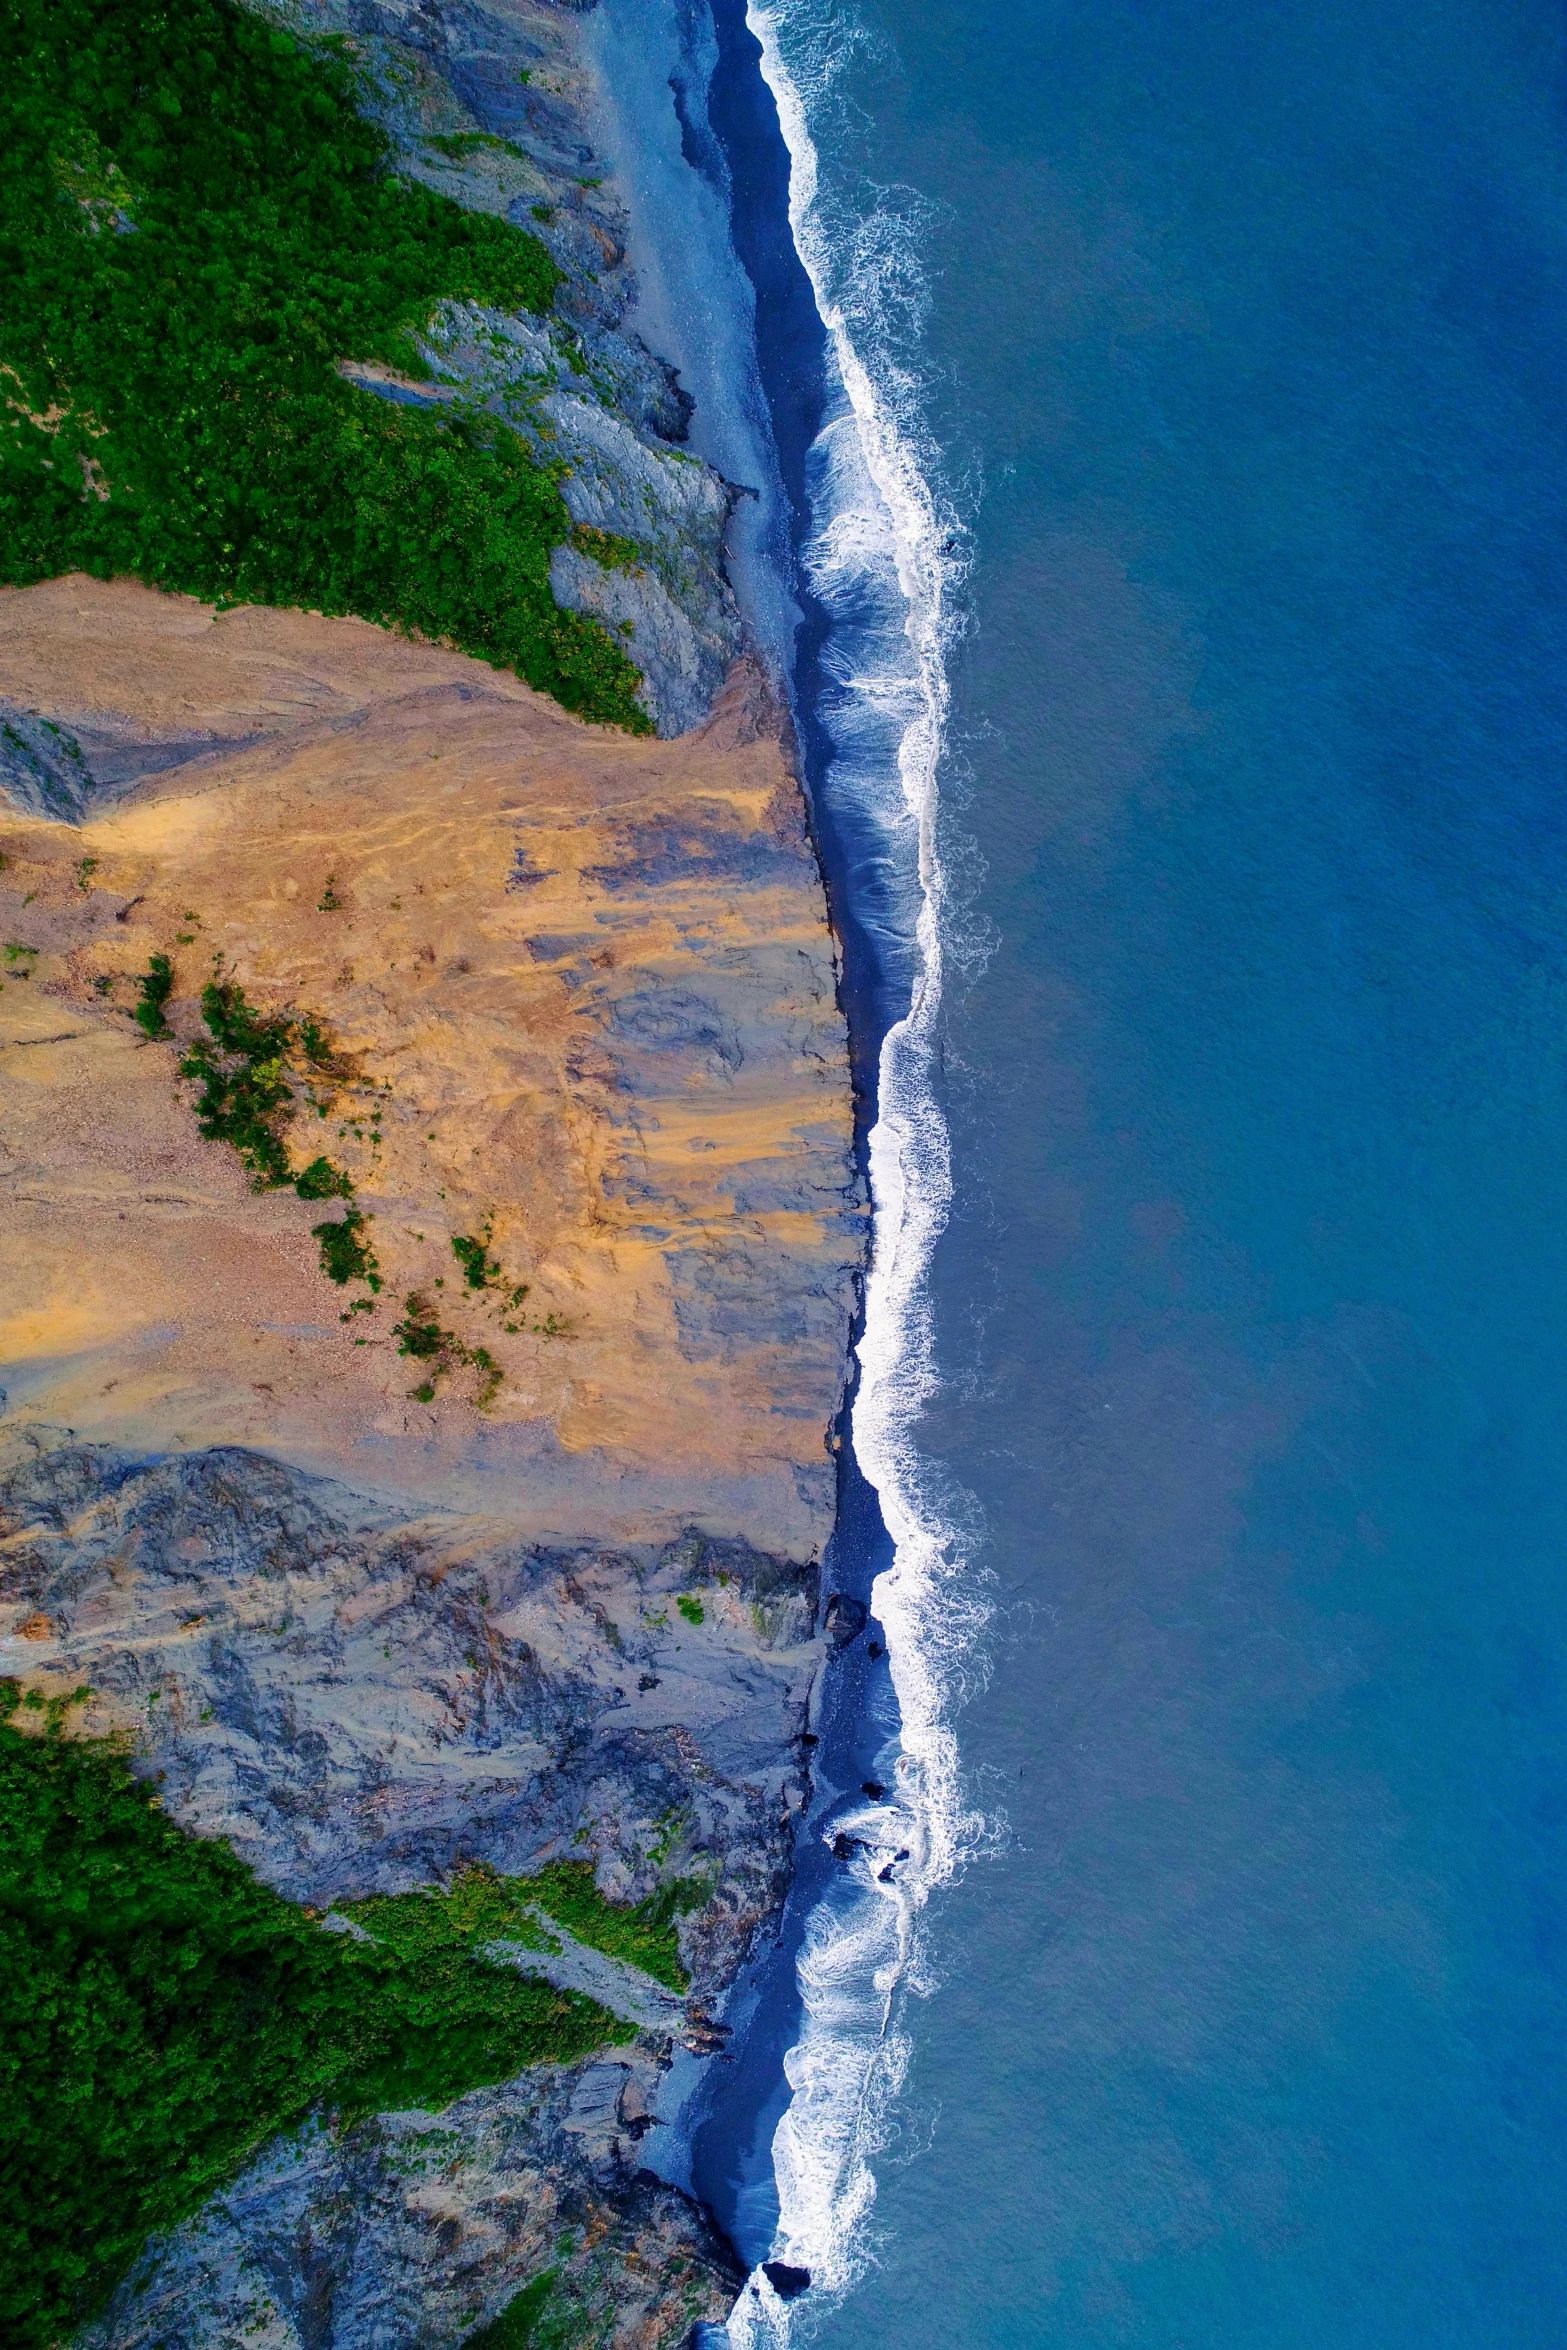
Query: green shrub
420 1335
154 988
480 1270
244 1090
195 226
346 1255
162 2014
321 1180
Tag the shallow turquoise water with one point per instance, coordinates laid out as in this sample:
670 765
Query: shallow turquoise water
1248 336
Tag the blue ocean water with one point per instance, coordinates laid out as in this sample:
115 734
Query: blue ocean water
1211 362
1245 354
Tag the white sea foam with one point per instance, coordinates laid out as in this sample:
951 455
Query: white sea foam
886 559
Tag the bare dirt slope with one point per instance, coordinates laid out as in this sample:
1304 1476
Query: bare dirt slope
585 981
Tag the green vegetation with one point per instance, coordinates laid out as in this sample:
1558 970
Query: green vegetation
420 1335
607 548
153 989
457 146
690 1608
482 1271
162 2014
321 1180
346 1255
645 1935
245 1098
518 2327
479 1268
314 1042
195 227
243 1088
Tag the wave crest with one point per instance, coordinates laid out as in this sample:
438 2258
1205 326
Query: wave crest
886 557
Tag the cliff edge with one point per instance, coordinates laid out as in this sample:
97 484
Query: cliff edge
430 1230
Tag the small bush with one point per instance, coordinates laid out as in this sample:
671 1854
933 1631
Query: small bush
479 1268
314 1042
154 988
346 1255
321 1180
244 1092
420 1335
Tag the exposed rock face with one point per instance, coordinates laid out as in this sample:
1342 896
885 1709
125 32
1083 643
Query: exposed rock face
581 1000
494 106
415 2229
552 1595
358 1703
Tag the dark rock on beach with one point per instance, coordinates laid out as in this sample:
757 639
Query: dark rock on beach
845 1619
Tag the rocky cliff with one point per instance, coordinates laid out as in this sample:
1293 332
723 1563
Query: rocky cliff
370 1614
430 1233
497 107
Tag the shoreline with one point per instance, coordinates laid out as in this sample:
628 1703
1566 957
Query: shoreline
781 2153
689 1314
525 995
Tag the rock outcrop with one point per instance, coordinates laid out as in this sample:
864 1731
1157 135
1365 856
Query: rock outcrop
419 2228
360 1703
496 107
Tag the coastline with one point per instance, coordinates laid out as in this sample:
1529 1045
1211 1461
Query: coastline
709 395
644 921
783 2151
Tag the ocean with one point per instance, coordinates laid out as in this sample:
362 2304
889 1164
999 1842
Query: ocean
1167 461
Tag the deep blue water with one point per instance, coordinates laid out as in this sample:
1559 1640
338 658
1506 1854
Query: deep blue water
1247 346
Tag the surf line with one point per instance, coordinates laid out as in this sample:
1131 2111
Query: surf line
876 539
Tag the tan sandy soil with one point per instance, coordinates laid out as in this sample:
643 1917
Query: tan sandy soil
587 982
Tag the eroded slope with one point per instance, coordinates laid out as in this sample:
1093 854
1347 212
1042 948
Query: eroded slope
584 981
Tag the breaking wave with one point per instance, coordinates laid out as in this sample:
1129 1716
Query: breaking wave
885 558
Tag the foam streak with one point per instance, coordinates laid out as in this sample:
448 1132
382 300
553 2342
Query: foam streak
883 559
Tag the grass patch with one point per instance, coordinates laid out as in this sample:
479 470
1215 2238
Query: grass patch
458 146
195 225
162 2014
607 548
645 1935
518 2326
690 1608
